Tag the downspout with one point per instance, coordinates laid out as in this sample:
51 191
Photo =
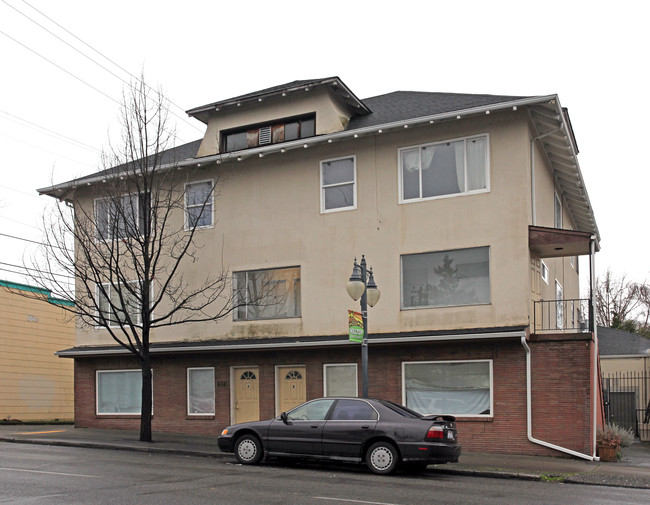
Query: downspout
532 171
594 330
529 412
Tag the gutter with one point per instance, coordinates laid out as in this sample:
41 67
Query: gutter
117 350
319 139
529 414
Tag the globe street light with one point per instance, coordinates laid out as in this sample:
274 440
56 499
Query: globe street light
362 285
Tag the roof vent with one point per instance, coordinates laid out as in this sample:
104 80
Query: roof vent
265 135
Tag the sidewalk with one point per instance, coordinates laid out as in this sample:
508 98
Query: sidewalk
632 471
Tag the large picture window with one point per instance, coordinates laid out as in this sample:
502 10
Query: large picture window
340 379
199 201
119 218
200 391
444 168
119 392
460 388
338 184
267 294
446 278
115 304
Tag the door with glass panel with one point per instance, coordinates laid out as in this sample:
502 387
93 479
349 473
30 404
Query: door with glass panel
247 394
291 387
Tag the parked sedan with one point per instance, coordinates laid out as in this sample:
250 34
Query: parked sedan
379 432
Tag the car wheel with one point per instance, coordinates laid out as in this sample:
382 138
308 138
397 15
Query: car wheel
382 458
248 450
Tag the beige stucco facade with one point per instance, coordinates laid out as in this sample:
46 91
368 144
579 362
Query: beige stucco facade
35 385
268 215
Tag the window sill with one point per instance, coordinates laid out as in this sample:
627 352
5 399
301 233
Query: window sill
200 417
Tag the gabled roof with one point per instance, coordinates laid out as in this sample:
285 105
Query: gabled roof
613 342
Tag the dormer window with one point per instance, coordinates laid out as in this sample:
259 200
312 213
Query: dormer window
270 133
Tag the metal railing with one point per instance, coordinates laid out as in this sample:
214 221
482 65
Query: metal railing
626 398
561 315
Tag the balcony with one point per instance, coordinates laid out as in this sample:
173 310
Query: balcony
561 316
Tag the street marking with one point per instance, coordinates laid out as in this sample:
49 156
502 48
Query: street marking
37 432
353 501
52 473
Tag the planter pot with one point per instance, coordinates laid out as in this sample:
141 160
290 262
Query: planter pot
608 453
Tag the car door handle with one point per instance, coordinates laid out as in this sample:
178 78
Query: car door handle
314 426
365 427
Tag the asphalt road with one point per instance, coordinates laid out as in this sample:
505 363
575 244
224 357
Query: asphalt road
35 475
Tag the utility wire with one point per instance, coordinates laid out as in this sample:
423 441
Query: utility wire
13 118
99 53
48 151
37 270
33 241
60 67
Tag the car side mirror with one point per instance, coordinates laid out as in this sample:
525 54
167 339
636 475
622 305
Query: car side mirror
284 417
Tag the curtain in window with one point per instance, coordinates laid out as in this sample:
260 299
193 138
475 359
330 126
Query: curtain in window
448 388
476 152
446 278
200 391
341 380
119 392
411 173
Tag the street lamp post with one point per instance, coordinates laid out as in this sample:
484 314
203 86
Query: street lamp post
362 285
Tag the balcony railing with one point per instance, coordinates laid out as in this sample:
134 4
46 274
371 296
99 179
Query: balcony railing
561 315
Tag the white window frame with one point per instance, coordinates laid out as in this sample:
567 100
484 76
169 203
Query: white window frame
418 307
544 272
247 304
323 210
108 215
402 200
491 372
356 376
187 206
128 370
97 301
214 392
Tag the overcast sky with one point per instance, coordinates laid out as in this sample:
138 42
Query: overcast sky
58 106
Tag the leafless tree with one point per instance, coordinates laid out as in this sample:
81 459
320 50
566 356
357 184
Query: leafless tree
616 299
127 238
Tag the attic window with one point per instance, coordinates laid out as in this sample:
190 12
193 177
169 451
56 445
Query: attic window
273 133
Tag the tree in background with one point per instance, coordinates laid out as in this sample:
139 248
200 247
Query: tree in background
623 304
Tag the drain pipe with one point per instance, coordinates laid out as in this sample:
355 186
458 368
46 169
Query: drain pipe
529 412
532 171
594 329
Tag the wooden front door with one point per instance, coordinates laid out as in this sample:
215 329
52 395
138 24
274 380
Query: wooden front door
247 394
291 387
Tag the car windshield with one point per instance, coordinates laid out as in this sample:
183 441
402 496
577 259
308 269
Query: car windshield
401 410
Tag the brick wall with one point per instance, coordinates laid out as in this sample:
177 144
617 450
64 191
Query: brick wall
561 389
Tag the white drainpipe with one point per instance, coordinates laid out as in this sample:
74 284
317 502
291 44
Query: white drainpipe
529 413
592 316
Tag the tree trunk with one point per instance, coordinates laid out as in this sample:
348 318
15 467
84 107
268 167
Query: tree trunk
147 400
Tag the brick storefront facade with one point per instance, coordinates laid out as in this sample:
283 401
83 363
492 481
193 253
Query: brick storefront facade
561 406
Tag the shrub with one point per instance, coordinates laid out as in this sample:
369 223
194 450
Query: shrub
627 436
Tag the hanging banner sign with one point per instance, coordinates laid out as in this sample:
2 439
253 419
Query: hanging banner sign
355 323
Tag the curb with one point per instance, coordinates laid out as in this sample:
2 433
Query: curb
588 479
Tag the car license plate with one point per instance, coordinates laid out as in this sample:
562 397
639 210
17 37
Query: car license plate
451 435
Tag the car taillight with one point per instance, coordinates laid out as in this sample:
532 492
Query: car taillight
435 433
